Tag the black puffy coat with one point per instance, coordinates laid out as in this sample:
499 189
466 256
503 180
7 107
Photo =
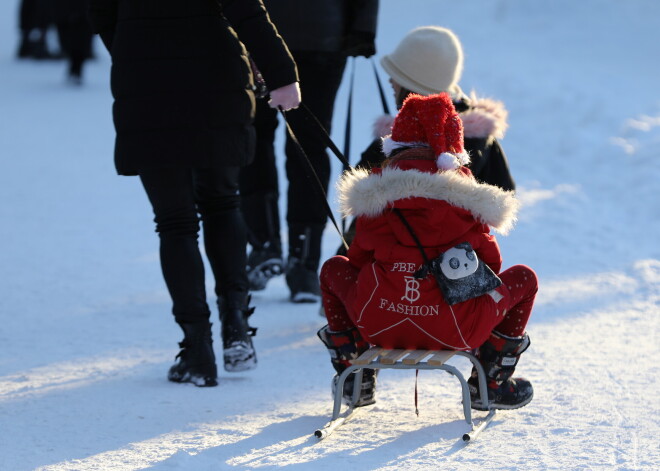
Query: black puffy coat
324 25
68 10
181 78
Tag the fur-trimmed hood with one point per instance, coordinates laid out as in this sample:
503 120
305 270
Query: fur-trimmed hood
485 118
364 193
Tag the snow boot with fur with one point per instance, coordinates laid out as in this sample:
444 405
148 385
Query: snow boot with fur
499 356
345 346
196 360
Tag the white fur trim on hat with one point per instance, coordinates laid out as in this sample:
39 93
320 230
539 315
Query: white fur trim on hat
447 161
389 145
463 158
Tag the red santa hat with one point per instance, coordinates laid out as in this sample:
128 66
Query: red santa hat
429 121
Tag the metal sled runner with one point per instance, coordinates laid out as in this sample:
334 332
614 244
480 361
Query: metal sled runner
381 358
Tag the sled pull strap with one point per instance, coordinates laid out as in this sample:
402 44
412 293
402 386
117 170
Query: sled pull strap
386 108
416 401
316 177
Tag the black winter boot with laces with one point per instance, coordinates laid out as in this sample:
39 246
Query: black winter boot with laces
238 350
499 356
196 360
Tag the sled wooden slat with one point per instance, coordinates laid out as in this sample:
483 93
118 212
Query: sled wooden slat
415 356
390 357
440 357
367 356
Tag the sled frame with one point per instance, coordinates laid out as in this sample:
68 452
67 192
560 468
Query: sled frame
378 358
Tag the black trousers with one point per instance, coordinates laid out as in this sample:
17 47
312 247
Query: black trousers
34 14
320 76
179 197
76 41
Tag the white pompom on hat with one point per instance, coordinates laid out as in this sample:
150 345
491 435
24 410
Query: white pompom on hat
429 121
428 60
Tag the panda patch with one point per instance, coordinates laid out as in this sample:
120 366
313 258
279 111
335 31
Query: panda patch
459 262
461 275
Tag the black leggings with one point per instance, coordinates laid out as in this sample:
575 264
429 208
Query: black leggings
179 197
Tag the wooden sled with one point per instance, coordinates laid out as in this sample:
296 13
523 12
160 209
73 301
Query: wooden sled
380 358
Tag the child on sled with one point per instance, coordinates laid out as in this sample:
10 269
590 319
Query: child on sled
423 271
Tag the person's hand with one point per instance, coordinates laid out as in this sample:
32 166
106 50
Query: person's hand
286 97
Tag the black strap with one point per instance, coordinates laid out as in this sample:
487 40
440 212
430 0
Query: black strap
349 112
424 270
294 139
416 401
326 137
386 108
347 130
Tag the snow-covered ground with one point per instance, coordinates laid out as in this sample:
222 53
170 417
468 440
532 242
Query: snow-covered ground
86 335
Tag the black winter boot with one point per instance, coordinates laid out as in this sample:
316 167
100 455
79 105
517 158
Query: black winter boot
264 262
25 47
499 356
262 217
303 263
196 360
34 46
238 351
343 347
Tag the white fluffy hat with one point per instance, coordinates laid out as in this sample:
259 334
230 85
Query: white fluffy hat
428 60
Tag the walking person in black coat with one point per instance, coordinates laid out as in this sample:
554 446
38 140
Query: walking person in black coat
321 35
183 112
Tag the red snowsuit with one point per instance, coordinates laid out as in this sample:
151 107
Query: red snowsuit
375 285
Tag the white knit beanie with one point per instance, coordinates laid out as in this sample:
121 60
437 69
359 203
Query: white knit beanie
428 60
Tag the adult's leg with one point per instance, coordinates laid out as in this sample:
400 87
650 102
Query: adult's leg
225 239
79 45
260 202
34 17
170 192
259 181
225 236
